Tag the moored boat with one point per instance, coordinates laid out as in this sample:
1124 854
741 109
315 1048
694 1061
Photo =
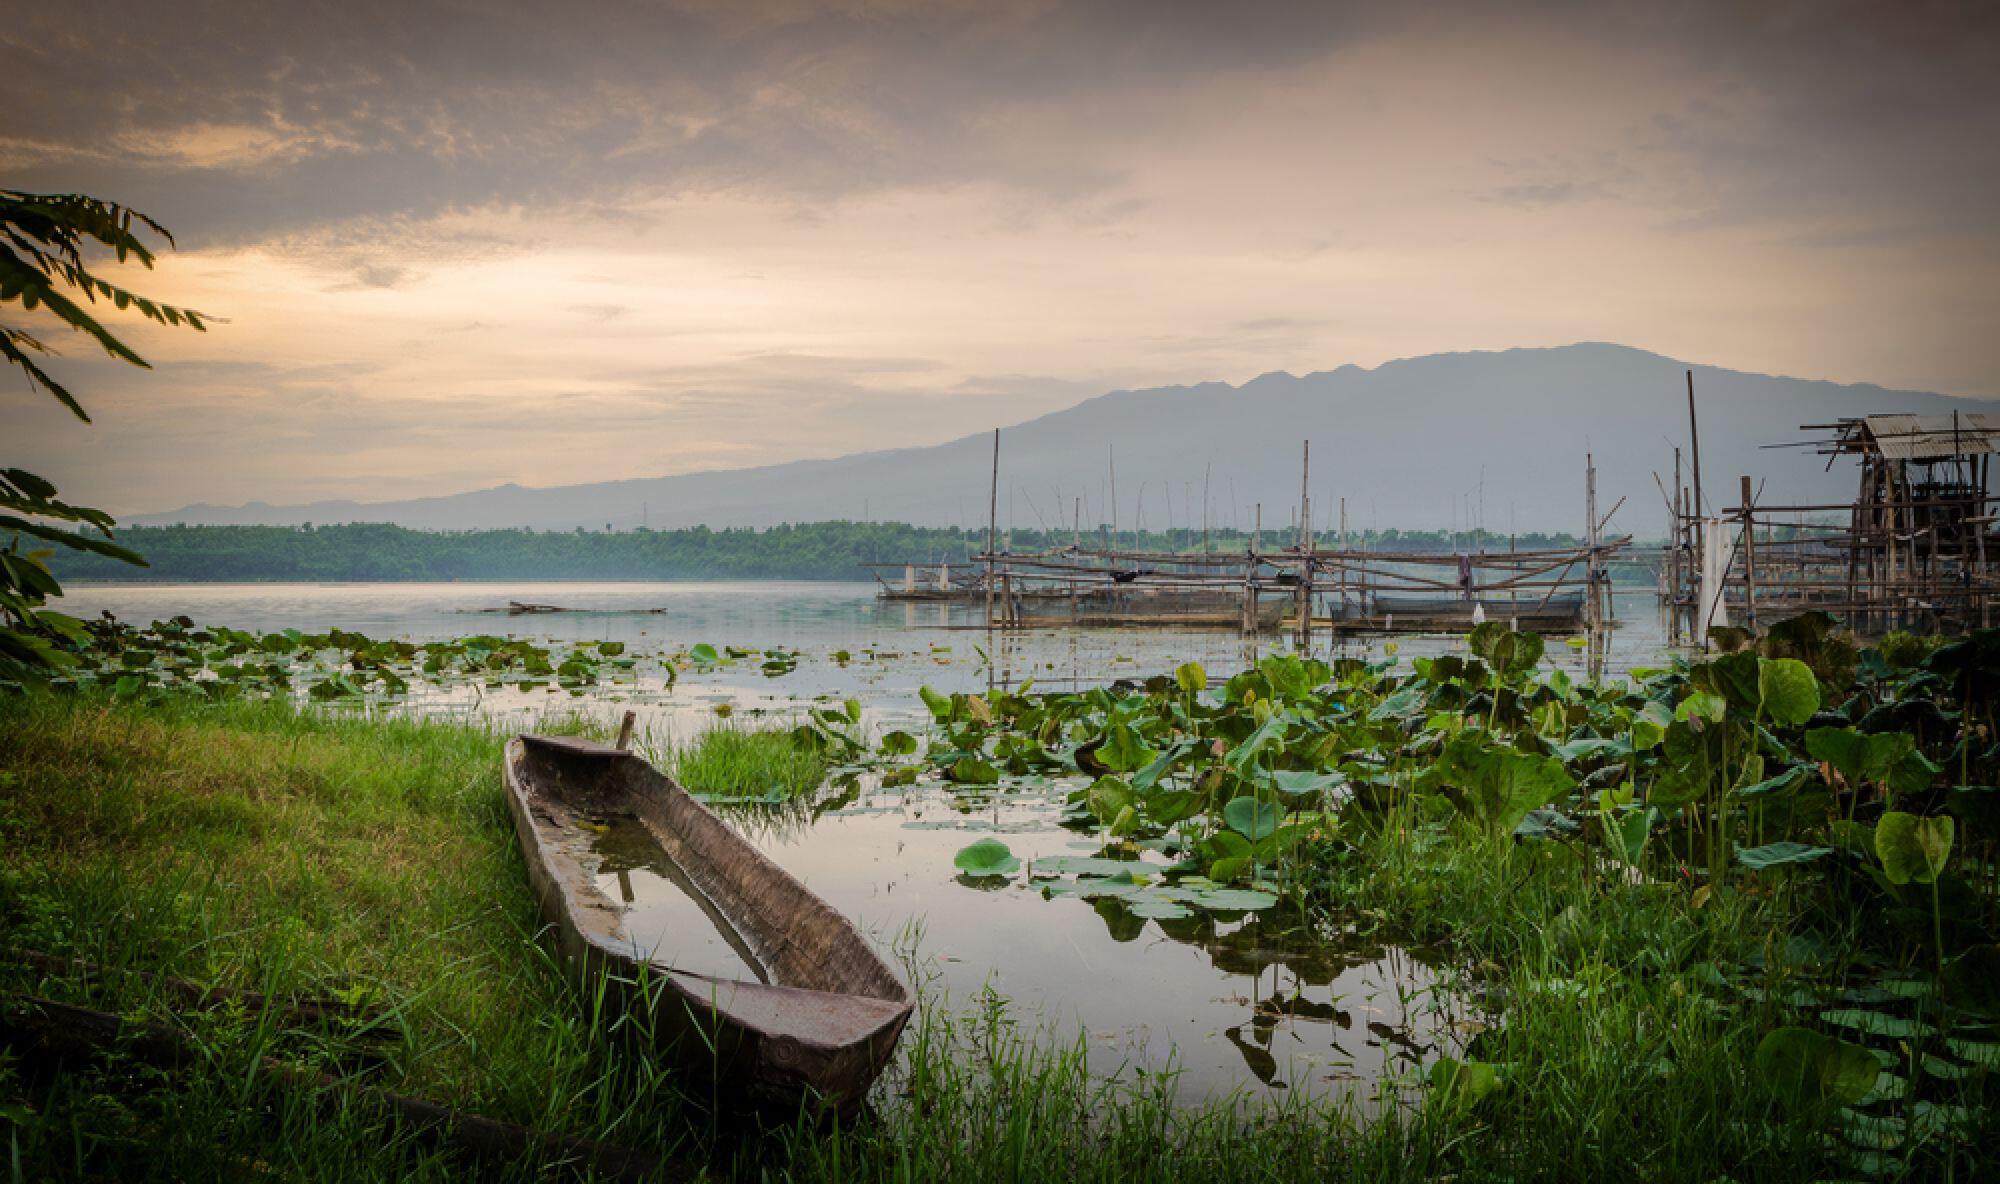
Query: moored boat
819 1014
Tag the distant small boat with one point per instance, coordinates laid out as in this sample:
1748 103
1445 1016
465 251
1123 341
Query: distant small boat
1452 614
825 1015
519 608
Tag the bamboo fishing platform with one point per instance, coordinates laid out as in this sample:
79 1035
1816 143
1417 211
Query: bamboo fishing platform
1297 584
1913 550
1339 590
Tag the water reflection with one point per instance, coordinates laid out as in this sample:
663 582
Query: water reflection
1229 1001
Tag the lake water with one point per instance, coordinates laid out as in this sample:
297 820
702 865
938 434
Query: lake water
1235 1003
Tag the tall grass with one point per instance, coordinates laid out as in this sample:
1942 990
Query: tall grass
731 760
297 853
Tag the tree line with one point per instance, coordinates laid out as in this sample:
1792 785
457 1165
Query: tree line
837 550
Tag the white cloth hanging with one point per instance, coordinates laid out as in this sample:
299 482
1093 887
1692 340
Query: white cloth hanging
1718 546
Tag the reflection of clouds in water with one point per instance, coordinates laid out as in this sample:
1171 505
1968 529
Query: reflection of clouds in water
1253 1002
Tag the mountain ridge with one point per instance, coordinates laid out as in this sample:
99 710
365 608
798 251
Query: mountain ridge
1490 436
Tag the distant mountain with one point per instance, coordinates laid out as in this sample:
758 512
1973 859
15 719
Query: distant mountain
1419 443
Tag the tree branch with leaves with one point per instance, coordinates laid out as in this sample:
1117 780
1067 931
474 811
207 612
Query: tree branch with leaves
43 237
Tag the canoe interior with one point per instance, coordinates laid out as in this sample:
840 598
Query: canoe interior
820 1012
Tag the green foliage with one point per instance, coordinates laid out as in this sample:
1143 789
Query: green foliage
1810 1070
987 857
1628 987
826 550
1251 818
1779 854
42 268
728 763
1788 694
1913 850
1501 785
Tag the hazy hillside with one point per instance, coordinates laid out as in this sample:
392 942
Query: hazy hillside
1418 443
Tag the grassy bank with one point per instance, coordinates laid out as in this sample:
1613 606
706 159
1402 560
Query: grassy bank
303 855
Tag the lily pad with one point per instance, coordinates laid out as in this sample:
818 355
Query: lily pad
1809 1069
1778 854
1083 865
987 857
1234 899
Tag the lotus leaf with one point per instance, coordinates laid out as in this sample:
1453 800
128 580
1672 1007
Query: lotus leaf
987 857
1877 1023
971 770
1809 1069
1300 782
1250 818
1778 854
1461 1085
1234 899
1913 850
1787 691
1123 751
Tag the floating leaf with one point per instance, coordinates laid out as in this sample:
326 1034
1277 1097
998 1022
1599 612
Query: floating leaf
1976 1052
1231 900
1155 907
1299 782
1877 1023
971 770
1810 1069
1881 1132
1085 865
987 857
1778 854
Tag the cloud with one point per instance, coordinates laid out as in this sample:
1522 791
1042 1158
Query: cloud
650 237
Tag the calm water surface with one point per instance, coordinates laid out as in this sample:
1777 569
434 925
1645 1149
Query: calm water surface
1233 1003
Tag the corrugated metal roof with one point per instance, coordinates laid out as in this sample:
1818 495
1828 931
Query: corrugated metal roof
1934 437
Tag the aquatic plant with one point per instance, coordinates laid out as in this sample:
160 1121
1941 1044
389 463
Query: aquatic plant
1853 785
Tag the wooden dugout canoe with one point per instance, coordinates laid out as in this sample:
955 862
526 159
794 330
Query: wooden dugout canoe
823 1020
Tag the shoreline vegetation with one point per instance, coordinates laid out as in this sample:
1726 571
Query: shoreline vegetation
838 550
1732 919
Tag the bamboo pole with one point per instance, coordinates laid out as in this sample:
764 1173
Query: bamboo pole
1749 558
1302 630
1694 437
992 525
1591 610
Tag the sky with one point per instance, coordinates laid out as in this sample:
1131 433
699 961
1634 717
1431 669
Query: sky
451 245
